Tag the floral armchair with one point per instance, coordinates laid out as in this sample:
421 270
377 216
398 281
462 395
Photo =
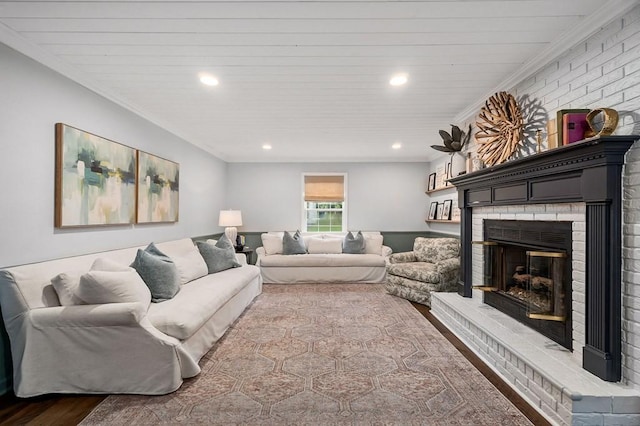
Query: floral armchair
433 265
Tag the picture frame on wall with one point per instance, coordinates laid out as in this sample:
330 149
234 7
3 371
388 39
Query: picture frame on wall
158 189
95 180
432 210
446 210
439 211
431 185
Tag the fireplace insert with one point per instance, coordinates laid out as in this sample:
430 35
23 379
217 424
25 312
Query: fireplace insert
527 274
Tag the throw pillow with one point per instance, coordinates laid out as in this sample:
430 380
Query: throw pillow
272 244
325 246
293 244
66 286
353 245
373 244
191 265
98 287
218 257
158 272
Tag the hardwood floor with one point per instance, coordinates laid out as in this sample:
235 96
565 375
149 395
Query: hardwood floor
71 409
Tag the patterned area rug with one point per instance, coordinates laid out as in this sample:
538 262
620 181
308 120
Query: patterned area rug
325 354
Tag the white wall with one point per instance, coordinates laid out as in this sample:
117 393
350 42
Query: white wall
33 98
381 196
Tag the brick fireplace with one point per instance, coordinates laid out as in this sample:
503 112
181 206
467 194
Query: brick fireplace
579 185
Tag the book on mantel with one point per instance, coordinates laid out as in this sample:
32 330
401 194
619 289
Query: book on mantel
574 126
560 121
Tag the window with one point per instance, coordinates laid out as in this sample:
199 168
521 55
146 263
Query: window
324 203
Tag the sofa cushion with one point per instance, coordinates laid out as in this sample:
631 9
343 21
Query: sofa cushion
198 300
436 249
331 260
327 246
354 244
417 271
158 272
272 243
218 257
293 244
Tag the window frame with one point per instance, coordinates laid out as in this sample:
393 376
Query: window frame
303 219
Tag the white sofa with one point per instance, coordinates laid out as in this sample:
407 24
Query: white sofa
116 347
319 267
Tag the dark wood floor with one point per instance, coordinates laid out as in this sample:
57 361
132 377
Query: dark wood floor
70 410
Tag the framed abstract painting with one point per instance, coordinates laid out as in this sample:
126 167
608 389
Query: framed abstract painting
95 180
158 189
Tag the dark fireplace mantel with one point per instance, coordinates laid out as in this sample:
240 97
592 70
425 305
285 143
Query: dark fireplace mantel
588 172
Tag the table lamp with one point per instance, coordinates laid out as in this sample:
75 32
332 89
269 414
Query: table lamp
230 219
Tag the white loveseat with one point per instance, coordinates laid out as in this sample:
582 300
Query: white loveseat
116 347
322 265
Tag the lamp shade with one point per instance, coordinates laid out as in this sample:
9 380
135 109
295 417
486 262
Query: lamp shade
230 218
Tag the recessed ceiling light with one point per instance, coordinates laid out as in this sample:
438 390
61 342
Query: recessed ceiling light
396 145
399 79
266 147
208 79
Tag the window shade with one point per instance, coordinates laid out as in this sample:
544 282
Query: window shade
324 188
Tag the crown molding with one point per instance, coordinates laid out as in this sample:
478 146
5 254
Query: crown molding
588 26
18 43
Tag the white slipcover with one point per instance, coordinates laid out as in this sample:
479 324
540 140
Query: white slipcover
324 268
116 347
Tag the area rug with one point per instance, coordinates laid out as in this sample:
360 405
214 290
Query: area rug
325 354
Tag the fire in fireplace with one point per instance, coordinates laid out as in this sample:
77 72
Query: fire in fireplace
527 274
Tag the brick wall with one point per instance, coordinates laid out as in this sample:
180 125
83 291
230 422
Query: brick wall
603 71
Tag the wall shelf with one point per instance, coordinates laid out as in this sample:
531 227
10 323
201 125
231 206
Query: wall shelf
444 188
441 221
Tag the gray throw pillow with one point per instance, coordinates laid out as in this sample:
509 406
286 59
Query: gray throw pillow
293 244
353 245
158 272
220 257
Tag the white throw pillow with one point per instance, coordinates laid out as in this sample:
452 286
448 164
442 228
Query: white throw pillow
111 282
373 244
191 266
66 286
272 243
98 287
324 246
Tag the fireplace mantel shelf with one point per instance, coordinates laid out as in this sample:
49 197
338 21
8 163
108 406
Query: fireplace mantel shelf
587 172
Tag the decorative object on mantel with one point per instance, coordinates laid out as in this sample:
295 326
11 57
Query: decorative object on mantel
453 144
609 122
539 140
500 126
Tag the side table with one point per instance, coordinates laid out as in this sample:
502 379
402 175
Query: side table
248 251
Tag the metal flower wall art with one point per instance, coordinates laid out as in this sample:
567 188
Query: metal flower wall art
453 142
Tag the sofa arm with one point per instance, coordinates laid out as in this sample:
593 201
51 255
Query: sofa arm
241 258
110 314
403 257
449 271
448 265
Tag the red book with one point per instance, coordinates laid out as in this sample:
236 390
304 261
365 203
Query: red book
574 125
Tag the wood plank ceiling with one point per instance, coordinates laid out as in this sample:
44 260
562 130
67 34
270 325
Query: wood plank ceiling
310 78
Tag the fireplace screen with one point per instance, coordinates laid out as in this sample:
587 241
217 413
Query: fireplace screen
545 290
526 273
